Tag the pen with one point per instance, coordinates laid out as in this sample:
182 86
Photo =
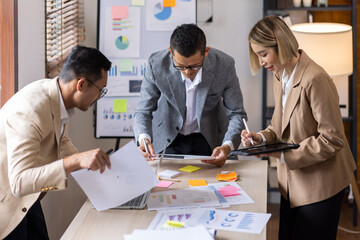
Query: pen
146 148
170 179
247 129
109 151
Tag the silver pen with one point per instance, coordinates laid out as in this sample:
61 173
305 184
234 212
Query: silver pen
146 148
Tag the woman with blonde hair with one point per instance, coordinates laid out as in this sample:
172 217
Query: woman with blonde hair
312 178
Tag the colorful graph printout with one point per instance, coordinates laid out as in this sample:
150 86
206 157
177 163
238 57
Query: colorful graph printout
116 115
160 17
182 198
237 221
122 36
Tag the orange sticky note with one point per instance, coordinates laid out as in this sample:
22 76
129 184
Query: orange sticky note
230 176
120 12
199 182
169 3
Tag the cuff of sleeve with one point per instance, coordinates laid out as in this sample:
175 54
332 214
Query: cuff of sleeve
263 138
230 144
144 135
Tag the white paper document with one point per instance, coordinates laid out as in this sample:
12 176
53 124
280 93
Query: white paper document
190 217
191 233
184 198
243 198
247 222
130 176
237 221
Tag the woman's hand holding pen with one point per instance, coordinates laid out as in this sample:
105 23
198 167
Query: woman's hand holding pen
246 136
147 149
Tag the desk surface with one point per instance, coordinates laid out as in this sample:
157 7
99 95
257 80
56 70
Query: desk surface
113 224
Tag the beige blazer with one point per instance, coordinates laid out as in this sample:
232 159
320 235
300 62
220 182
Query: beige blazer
316 170
30 149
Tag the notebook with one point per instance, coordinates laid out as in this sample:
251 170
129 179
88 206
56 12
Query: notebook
140 201
261 149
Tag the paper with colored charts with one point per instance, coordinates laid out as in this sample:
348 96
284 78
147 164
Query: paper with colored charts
237 221
184 198
190 217
242 198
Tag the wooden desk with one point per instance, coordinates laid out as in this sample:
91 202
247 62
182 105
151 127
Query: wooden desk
113 224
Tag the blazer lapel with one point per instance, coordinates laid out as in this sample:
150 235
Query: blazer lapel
294 94
177 88
55 108
203 89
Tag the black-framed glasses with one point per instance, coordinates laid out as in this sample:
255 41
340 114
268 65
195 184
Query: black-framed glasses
102 91
183 68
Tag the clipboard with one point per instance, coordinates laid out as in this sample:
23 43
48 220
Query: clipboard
255 150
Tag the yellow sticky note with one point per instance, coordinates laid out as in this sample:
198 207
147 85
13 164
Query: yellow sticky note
126 65
138 2
120 105
189 168
199 182
169 3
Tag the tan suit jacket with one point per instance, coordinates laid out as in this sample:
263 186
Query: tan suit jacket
316 170
30 149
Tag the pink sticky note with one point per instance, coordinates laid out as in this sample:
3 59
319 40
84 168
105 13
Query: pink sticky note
120 12
164 184
230 188
228 193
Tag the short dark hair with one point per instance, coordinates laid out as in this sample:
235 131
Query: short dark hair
187 39
84 62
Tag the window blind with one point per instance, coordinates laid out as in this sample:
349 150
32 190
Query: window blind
64 30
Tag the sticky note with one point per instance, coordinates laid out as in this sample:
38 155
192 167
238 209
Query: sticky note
228 192
233 188
138 2
120 12
126 65
168 174
164 184
120 105
196 183
228 176
189 168
169 3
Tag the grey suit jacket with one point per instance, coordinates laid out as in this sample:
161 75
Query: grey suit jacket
219 108
30 149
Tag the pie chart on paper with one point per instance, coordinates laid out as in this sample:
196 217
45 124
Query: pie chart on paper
162 13
122 42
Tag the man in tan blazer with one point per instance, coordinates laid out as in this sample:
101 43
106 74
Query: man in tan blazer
36 153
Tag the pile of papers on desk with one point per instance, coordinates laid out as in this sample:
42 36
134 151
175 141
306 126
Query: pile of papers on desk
189 233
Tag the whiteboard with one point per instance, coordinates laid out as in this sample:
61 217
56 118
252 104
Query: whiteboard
127 35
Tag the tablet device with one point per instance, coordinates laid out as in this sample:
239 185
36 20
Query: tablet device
264 149
183 157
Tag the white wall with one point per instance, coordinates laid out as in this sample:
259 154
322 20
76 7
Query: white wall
231 23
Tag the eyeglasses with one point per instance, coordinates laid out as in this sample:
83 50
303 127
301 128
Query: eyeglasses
102 91
183 68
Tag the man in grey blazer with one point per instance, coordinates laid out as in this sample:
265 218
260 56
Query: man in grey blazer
190 100
36 153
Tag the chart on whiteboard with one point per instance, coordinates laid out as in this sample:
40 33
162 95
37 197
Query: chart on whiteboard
116 115
125 77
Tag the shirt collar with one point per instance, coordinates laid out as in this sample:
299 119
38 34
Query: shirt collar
197 78
64 114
